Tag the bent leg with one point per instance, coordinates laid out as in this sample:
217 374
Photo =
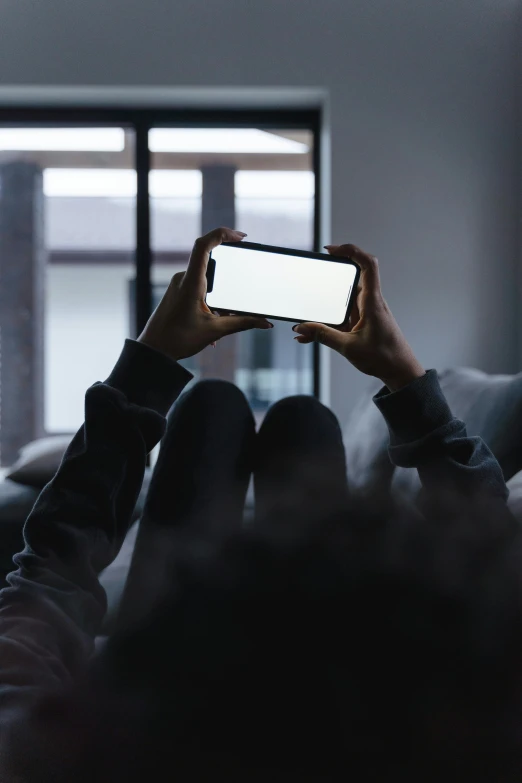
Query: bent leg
199 484
300 461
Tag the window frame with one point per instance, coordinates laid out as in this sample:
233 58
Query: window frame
141 121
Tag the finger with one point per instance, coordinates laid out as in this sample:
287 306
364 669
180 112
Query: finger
197 266
320 333
369 265
230 324
176 280
355 315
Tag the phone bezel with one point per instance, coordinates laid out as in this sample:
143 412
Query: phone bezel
287 252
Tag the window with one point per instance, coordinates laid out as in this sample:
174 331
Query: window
99 208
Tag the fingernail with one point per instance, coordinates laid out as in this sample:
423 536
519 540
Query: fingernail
271 324
241 233
294 327
327 247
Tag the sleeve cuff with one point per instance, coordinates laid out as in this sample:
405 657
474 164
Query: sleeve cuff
147 377
414 411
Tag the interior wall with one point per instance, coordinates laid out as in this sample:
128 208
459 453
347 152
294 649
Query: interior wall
422 127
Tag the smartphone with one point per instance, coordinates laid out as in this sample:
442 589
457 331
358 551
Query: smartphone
276 282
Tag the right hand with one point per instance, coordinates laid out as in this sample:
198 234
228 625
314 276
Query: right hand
370 339
182 324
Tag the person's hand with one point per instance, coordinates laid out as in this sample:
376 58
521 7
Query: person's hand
182 324
370 339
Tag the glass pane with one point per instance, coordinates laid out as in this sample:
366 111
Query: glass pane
278 204
66 274
175 198
259 182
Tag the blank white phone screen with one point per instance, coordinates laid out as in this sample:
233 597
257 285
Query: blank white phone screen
255 281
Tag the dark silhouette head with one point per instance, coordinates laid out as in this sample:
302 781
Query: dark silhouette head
347 648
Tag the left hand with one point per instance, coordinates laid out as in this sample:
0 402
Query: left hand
182 324
371 339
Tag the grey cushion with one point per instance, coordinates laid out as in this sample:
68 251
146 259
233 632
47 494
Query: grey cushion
366 446
515 496
138 508
39 461
491 407
114 577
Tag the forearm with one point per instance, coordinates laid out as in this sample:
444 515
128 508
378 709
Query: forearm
54 605
425 435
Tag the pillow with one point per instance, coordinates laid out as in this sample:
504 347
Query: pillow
114 577
491 407
366 441
39 461
515 496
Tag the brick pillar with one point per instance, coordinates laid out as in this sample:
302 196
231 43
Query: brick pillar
22 270
218 209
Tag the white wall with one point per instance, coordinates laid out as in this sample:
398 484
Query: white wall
422 118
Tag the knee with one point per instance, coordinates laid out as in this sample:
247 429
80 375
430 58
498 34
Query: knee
211 394
299 405
301 413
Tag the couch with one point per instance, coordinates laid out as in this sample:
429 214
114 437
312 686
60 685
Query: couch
491 406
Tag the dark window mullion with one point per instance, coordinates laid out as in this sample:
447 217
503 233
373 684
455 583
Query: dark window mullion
144 118
143 238
316 164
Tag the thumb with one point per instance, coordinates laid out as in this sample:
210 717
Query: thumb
320 333
230 324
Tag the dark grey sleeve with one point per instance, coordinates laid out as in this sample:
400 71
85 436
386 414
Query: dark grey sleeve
54 605
425 435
